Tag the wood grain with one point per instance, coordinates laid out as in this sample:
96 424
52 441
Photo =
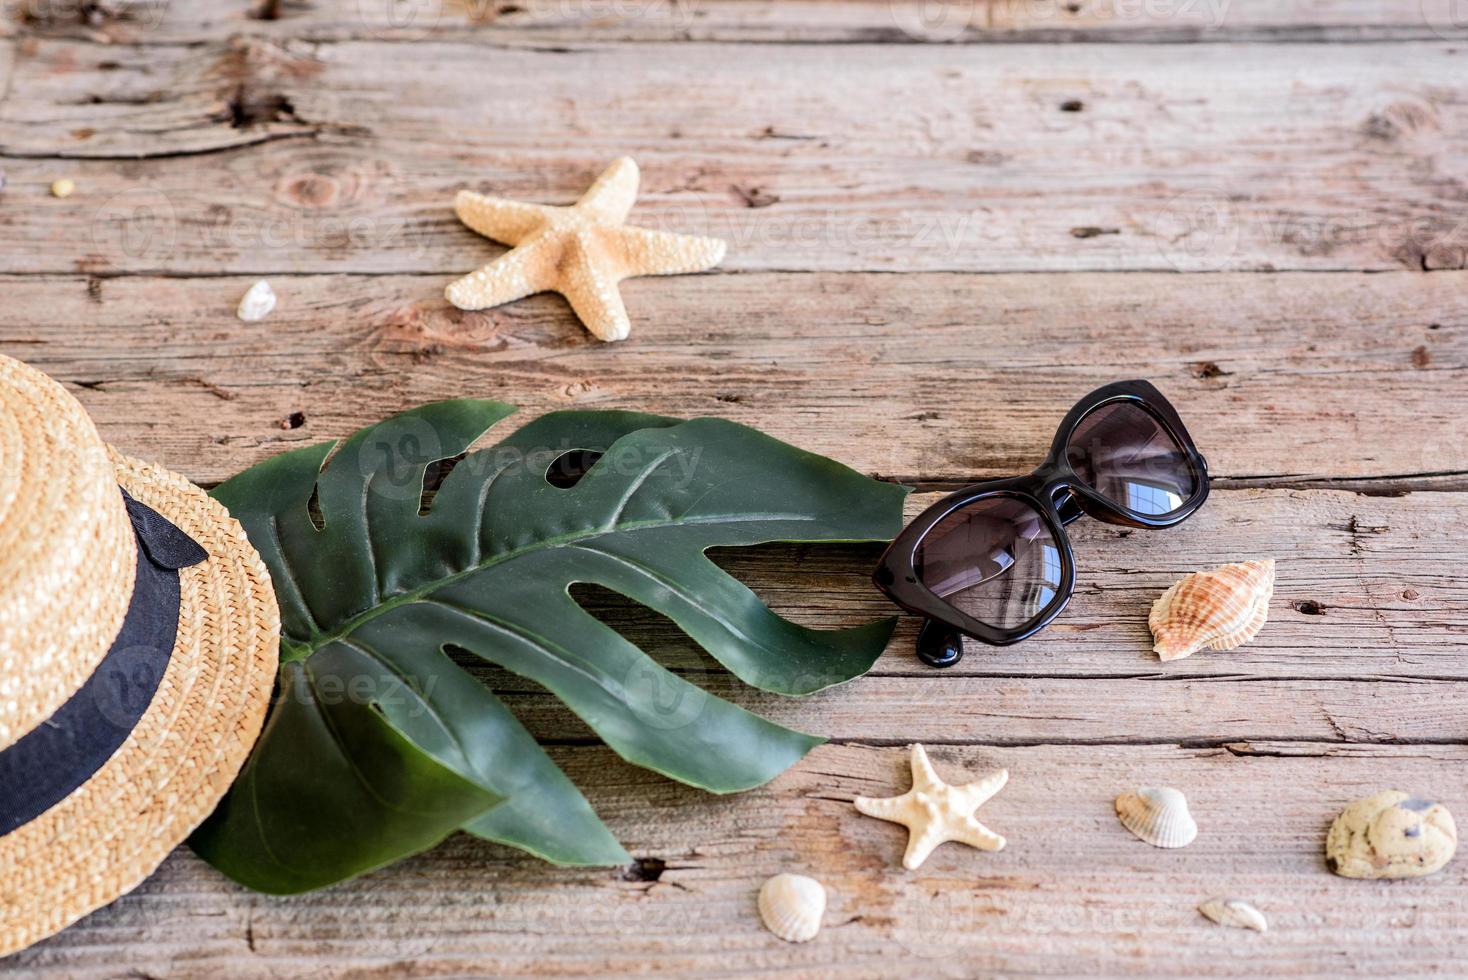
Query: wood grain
1072 893
767 21
1368 588
938 378
1363 643
271 157
1027 710
944 227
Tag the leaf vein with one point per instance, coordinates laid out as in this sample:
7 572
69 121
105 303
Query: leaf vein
347 756
580 665
632 489
677 590
586 534
297 595
357 644
481 510
371 539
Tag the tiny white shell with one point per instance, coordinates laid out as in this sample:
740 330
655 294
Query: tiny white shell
792 906
257 302
1235 912
1158 815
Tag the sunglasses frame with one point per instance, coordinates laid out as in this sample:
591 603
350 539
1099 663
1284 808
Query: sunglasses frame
1059 496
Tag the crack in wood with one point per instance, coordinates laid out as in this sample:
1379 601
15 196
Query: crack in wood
1383 485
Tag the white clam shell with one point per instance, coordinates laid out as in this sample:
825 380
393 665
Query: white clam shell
1220 609
1157 815
1235 912
792 906
257 303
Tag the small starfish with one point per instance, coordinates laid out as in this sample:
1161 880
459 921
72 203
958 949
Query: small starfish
934 811
581 252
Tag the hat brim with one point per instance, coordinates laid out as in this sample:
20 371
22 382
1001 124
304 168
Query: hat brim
114 830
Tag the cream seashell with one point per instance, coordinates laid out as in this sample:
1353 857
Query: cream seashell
1157 815
1235 912
1391 835
257 302
792 906
1220 609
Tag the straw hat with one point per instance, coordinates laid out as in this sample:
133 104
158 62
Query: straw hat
138 643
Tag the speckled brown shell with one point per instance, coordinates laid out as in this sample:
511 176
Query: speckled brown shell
1391 835
1219 610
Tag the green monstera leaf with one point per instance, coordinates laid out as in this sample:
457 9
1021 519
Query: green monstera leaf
380 744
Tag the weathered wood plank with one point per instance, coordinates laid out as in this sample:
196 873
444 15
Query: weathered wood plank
1072 894
850 157
1157 708
1368 587
918 378
266 154
799 21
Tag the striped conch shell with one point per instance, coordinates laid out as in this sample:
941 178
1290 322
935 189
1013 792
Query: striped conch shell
1158 815
792 906
1219 610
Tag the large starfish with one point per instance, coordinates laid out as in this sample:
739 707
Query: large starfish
934 811
581 252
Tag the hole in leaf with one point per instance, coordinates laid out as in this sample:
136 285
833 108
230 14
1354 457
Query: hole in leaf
657 635
433 478
313 510
825 586
567 469
544 715
820 585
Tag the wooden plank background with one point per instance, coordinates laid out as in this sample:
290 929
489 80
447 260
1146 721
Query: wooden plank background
946 221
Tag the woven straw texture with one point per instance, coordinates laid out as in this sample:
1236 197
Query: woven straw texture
113 831
67 555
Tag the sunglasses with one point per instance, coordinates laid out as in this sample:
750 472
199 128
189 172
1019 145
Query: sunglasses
992 561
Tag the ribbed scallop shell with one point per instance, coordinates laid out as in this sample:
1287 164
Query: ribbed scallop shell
1219 609
1158 815
792 906
1235 912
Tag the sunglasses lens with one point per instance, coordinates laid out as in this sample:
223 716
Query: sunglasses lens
1126 454
994 559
